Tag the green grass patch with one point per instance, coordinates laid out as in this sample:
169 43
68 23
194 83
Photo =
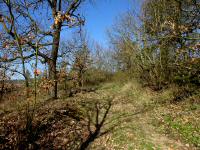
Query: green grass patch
188 132
149 146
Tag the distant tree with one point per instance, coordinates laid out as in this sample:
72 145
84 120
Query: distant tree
124 38
103 58
82 59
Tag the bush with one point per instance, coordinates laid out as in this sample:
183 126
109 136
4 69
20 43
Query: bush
122 76
182 92
95 76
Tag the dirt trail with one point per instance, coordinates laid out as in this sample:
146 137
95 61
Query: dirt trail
132 121
161 140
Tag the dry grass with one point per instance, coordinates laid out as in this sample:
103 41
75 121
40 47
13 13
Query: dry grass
138 119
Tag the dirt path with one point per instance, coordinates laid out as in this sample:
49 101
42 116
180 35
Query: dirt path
160 140
131 117
129 123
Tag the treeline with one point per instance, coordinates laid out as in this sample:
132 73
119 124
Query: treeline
161 45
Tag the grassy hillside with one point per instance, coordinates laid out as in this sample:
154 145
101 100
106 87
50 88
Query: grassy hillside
116 116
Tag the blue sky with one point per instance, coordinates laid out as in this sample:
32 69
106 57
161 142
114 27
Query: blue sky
102 14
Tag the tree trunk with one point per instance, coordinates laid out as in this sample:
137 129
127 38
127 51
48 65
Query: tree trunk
24 73
53 62
27 85
2 88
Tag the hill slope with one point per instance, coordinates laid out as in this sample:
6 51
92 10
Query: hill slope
116 116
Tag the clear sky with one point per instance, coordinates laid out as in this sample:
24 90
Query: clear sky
102 14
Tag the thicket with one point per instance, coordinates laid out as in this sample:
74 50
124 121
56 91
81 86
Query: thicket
160 47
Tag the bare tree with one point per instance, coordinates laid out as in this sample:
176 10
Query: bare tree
34 26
